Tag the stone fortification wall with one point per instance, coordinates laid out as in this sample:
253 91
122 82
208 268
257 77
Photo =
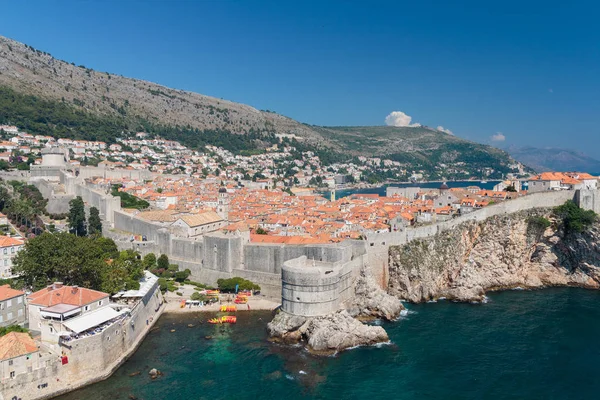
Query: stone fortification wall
269 258
377 244
91 359
22 176
313 288
222 253
58 203
536 200
129 223
104 202
588 199
215 255
45 173
101 172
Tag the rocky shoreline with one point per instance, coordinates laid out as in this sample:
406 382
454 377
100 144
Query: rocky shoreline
329 334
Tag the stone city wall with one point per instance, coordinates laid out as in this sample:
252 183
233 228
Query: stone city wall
101 172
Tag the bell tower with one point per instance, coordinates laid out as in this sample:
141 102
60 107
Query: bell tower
223 203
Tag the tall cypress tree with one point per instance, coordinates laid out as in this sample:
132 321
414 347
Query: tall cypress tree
77 217
94 222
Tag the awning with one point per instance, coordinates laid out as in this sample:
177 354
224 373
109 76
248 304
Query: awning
92 319
146 283
60 311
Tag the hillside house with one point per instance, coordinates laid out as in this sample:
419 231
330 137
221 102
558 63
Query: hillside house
12 306
9 247
18 355
58 302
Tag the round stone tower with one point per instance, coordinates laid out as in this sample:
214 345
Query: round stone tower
310 288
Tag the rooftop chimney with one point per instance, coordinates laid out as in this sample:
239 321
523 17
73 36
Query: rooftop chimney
74 289
57 285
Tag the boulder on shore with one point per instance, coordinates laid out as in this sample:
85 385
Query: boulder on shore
325 334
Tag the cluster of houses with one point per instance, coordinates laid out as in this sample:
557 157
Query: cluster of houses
280 165
58 316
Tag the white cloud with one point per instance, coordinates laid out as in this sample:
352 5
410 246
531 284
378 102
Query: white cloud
398 118
441 129
498 137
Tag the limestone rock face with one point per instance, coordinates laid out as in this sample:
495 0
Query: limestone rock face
370 301
327 334
502 252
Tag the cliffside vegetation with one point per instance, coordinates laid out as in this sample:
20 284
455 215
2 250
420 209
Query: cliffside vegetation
575 219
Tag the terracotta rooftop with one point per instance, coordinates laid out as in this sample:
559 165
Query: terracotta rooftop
6 241
204 218
6 292
15 344
73 295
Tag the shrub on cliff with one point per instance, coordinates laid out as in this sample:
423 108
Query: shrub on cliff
536 225
575 219
539 222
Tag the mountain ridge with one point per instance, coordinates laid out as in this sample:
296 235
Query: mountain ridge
554 159
34 77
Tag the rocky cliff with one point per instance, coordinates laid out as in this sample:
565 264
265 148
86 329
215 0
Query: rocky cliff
501 252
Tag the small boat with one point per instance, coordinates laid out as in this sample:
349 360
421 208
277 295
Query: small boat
230 319
215 321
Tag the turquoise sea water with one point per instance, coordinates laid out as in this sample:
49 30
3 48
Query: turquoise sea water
520 345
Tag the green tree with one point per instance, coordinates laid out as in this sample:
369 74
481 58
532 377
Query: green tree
91 262
94 223
149 261
163 262
575 219
261 231
181 276
60 257
77 217
124 273
228 285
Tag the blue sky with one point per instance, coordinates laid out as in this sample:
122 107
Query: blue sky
528 70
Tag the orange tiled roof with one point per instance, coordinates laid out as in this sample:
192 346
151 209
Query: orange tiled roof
6 292
65 295
15 344
6 241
